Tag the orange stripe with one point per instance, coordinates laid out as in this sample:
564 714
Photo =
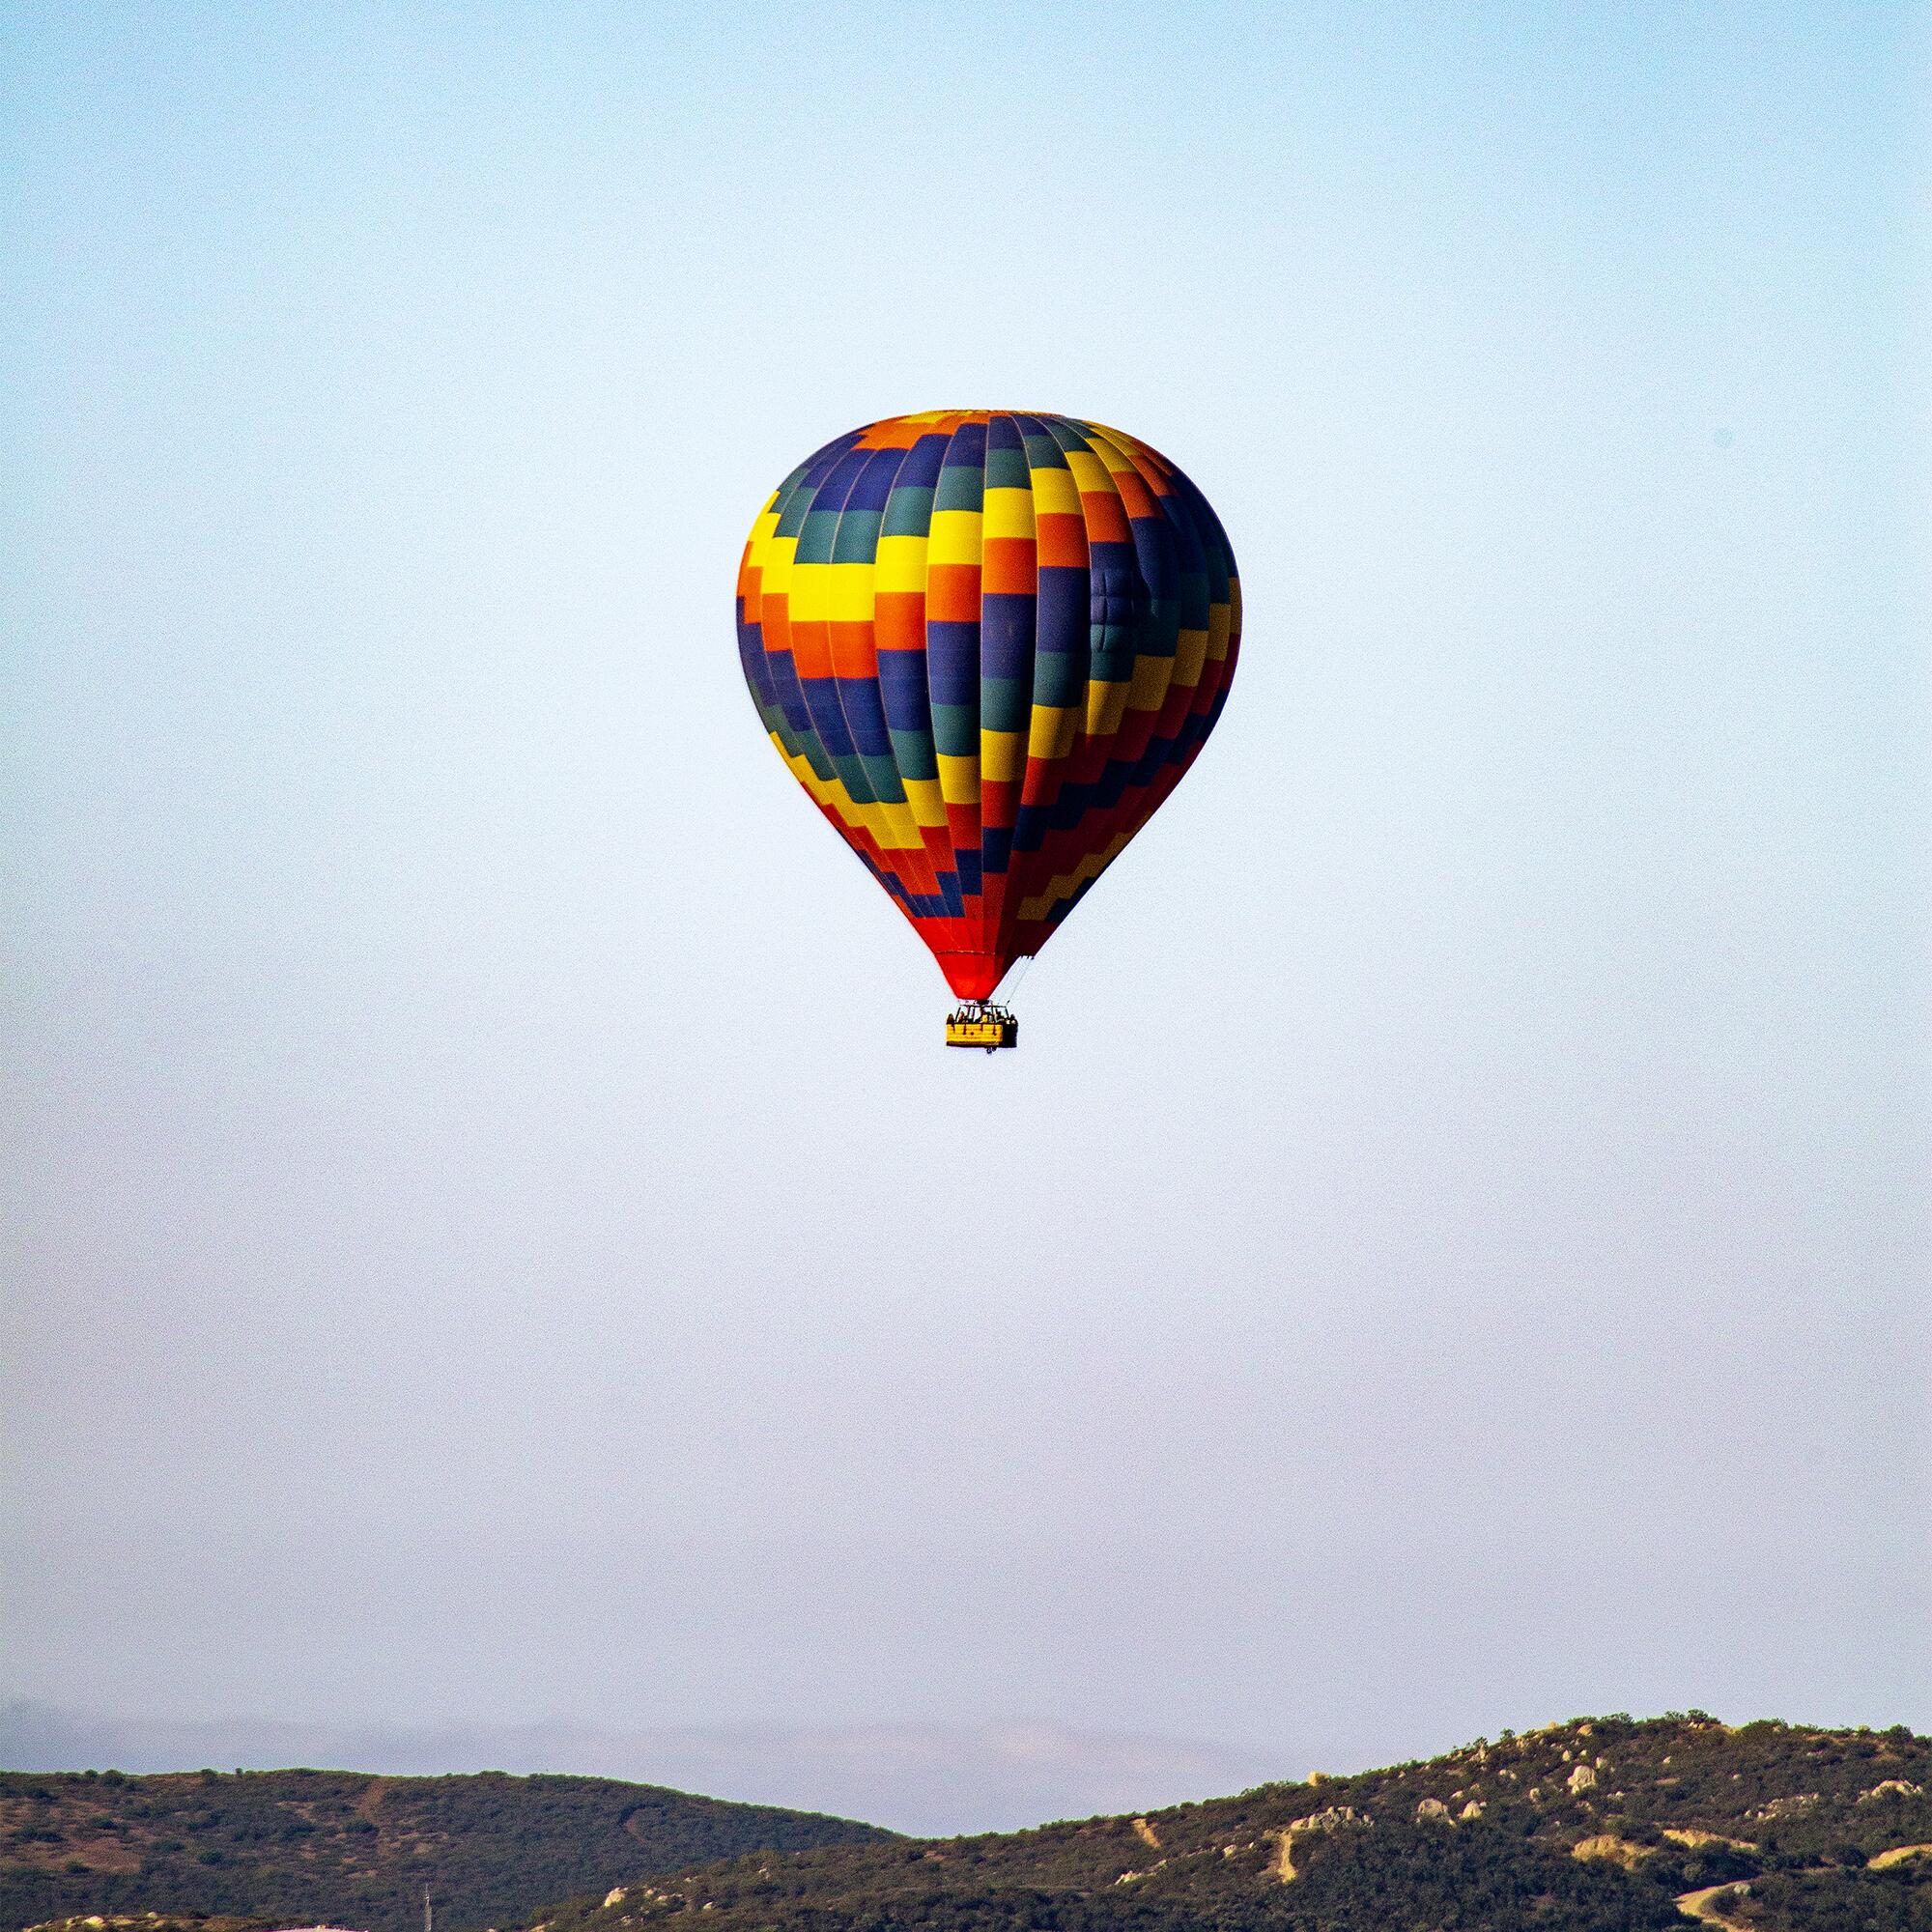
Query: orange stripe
812 649
898 621
952 593
1061 541
1008 565
1134 494
854 652
775 618
1106 521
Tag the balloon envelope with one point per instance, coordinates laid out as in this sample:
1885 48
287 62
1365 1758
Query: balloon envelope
988 643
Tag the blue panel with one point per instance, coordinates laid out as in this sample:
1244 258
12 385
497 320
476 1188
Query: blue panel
921 470
865 716
967 448
836 484
1062 595
1154 548
953 663
873 484
902 688
821 696
1005 633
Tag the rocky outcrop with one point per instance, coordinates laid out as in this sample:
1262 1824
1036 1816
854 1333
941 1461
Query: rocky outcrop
1336 1818
1617 1851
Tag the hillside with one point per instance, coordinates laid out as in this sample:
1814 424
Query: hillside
340 1847
1595 1826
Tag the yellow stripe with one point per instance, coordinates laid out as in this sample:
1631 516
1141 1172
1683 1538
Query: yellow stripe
1149 685
1068 883
927 801
1009 513
1002 756
1191 653
902 832
1132 452
955 537
958 779
849 599
892 825
811 592
1090 477
1220 627
1055 493
1105 702
1052 731
900 564
777 565
758 544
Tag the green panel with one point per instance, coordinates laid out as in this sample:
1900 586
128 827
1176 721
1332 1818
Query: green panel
1160 629
851 772
955 730
961 486
792 511
884 777
857 539
912 753
1008 470
1006 704
816 537
1058 677
908 511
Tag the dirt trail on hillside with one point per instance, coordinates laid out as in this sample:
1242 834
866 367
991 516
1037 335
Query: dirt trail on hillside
1704 1903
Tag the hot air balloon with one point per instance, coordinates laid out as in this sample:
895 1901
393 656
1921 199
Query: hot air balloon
988 642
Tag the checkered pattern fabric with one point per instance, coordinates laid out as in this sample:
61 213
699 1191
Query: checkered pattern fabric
988 643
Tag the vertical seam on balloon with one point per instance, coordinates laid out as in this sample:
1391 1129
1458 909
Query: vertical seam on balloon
1183 497
809 736
1022 888
1052 862
1138 801
992 940
1111 439
1038 862
958 422
923 655
839 697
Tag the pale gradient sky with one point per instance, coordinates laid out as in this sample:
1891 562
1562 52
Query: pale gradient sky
501 1242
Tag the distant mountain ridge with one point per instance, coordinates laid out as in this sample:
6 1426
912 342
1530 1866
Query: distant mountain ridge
314 1847
931 1780
1603 1825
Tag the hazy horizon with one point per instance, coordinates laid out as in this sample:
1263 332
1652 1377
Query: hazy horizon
932 1780
500 1244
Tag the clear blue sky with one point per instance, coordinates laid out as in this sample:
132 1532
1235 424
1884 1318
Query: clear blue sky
501 1238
